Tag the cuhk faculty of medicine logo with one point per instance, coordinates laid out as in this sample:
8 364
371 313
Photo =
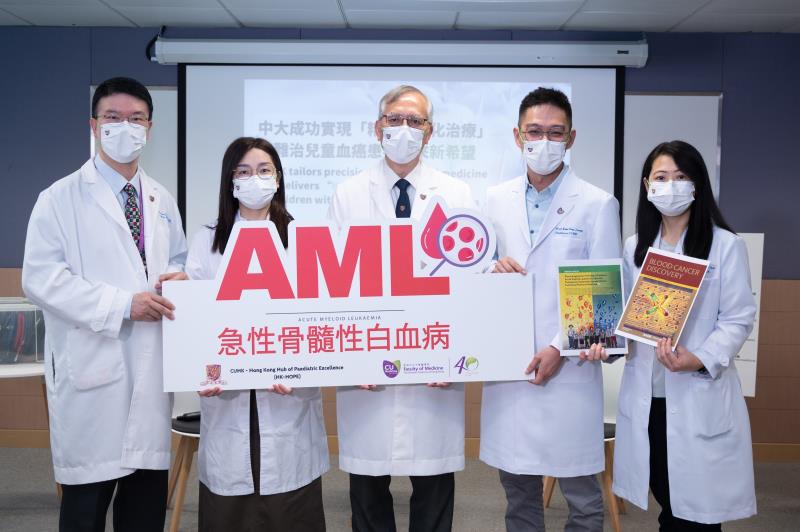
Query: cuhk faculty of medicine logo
391 369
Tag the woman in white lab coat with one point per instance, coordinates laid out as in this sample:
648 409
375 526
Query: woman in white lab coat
262 452
682 426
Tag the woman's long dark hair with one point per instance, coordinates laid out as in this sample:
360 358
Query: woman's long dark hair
229 206
704 215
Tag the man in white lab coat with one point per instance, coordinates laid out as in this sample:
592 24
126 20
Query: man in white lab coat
100 242
552 425
415 430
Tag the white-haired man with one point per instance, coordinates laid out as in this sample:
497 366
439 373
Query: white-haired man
414 430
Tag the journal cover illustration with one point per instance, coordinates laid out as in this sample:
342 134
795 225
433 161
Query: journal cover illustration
662 297
591 300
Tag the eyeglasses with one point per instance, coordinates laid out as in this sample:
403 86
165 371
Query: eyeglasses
396 119
138 119
264 172
555 134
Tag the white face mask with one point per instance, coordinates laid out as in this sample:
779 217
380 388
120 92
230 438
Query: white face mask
255 193
402 144
671 198
123 141
543 156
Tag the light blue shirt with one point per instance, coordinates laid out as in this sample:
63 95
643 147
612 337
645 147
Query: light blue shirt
538 203
117 182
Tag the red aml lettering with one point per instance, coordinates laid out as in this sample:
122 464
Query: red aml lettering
315 247
402 259
272 277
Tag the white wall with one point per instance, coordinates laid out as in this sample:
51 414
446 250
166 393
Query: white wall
654 118
160 157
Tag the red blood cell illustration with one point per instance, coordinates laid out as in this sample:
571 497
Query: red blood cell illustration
465 255
466 234
463 240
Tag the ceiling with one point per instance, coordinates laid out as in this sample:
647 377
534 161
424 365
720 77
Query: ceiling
601 15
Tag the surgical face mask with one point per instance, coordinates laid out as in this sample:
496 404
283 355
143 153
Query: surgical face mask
123 141
254 192
402 144
671 198
543 156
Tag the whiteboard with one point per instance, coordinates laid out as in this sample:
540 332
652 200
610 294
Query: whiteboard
321 121
654 118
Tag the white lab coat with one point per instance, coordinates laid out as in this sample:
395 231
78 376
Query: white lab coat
109 414
398 429
555 429
709 448
294 447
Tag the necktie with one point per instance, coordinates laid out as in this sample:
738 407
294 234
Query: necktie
134 218
403 208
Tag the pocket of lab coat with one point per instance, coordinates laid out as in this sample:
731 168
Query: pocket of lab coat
711 405
569 247
93 359
706 306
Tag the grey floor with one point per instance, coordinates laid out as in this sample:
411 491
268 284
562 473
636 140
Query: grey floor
28 501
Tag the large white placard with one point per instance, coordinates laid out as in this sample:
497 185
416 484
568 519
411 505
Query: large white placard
386 302
258 342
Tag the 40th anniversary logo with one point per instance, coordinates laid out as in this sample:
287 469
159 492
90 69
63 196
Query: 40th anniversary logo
466 363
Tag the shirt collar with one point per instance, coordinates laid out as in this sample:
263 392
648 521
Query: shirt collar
552 188
114 179
238 217
391 177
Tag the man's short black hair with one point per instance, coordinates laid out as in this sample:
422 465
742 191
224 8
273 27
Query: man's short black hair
122 86
546 96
